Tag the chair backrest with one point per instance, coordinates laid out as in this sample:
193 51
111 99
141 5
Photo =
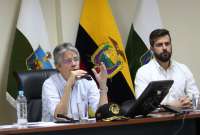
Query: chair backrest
31 82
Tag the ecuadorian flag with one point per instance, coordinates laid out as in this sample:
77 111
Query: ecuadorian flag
98 40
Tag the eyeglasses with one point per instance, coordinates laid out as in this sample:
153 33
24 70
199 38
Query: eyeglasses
70 60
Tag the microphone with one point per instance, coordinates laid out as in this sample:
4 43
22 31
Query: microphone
86 76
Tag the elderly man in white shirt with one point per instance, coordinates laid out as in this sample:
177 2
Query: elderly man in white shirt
162 67
71 88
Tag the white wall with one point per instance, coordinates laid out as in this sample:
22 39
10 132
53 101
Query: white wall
181 17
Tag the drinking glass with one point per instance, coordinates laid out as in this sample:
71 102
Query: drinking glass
83 112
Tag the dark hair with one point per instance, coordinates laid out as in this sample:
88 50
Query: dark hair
61 49
157 34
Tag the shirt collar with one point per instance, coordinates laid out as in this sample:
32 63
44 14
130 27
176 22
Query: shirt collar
63 81
172 64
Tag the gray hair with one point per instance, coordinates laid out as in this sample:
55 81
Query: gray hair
61 49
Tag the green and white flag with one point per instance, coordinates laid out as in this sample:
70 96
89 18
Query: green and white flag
31 48
147 19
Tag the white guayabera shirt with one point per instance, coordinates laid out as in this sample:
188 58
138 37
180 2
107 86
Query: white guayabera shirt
84 92
184 83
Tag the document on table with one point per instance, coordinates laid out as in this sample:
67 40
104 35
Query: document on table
35 124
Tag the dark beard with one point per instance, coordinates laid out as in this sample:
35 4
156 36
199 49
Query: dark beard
163 57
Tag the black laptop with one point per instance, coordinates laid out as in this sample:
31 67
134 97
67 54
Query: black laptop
150 99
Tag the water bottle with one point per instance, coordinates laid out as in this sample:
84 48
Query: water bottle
21 110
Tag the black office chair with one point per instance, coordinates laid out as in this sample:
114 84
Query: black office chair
31 82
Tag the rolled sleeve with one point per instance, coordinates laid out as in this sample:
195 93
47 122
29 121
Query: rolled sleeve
50 99
93 95
191 87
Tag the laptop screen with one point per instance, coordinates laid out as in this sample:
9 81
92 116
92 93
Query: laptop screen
151 97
